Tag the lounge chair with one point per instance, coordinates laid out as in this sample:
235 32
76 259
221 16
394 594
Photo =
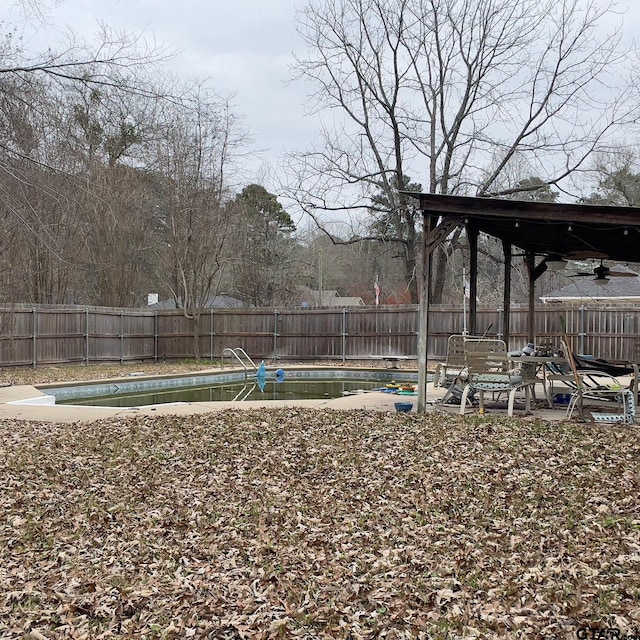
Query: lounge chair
593 387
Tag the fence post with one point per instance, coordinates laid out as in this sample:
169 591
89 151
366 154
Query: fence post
35 331
582 333
344 334
155 336
121 336
275 335
86 335
211 333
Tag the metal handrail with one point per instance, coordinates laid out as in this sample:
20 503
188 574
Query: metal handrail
246 395
235 352
239 359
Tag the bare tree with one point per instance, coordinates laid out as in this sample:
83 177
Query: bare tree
117 59
59 130
449 92
38 201
194 148
106 134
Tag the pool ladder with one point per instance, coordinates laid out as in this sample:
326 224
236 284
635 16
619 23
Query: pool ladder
239 353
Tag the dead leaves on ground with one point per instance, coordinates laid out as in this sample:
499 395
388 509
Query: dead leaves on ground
317 524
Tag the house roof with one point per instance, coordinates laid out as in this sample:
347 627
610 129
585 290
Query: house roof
588 288
215 302
348 301
328 298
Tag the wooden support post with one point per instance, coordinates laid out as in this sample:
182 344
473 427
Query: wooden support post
530 258
472 231
423 315
506 299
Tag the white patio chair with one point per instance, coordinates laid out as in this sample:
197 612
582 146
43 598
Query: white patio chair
489 369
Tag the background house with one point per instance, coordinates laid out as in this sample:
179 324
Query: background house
307 298
214 302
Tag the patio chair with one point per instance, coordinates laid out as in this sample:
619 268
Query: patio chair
592 387
558 382
489 369
547 346
448 374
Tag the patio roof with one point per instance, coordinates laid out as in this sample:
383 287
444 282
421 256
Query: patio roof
574 231
569 230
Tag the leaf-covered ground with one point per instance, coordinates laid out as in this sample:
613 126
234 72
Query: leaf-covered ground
318 524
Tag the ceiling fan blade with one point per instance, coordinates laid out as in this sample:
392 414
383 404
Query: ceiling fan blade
622 274
586 255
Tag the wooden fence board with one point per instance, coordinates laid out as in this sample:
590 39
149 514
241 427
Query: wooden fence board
48 335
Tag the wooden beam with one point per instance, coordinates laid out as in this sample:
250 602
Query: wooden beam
531 270
423 313
472 234
506 294
545 211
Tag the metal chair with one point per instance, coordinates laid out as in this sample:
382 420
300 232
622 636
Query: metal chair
489 369
448 374
601 389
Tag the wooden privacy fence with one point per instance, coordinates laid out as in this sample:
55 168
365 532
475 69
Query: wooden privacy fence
46 335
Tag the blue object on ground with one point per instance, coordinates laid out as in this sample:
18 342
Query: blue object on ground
561 398
403 407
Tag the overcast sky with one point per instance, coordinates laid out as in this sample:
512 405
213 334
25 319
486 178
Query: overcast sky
244 47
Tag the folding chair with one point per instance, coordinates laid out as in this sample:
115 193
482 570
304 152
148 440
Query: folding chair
556 373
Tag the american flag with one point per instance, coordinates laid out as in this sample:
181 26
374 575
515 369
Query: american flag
376 288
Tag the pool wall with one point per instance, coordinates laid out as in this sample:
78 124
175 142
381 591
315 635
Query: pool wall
88 390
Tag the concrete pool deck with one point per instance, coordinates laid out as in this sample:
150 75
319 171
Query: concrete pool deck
369 400
68 413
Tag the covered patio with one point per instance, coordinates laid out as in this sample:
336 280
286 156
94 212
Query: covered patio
546 233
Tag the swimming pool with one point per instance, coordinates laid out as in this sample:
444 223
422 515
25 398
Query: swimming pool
296 384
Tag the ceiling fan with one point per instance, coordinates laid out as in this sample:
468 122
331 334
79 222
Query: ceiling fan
602 273
586 254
